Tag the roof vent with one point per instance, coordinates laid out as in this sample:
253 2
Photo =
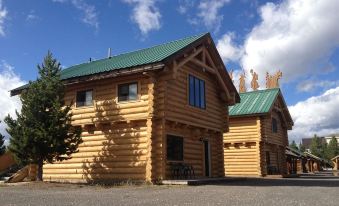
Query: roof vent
109 55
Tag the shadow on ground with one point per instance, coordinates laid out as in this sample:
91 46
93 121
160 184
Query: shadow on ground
317 180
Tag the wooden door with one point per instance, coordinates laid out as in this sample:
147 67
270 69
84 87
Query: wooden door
207 158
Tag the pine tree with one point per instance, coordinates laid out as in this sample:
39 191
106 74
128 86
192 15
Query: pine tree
42 131
2 145
293 145
302 147
332 148
316 146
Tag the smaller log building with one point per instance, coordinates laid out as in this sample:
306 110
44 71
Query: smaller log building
256 142
296 161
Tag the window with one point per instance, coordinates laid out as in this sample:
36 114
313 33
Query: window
196 92
268 159
127 92
84 98
175 148
274 125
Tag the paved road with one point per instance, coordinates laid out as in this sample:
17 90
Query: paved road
308 190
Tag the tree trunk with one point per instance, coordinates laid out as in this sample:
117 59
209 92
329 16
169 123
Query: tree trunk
40 165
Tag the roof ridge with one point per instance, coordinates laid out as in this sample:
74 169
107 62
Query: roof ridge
262 90
138 50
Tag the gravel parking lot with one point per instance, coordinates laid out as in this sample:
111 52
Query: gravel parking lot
308 190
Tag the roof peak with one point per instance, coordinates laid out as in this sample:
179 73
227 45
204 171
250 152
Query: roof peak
259 91
142 49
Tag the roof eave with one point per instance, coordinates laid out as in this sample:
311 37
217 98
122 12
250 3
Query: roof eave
104 75
248 115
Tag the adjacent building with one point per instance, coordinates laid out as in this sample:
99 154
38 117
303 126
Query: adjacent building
257 138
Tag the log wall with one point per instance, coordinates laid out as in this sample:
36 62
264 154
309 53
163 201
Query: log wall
177 104
194 151
275 143
116 141
247 142
241 147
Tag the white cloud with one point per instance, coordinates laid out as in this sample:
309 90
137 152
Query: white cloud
89 11
227 49
312 84
316 115
31 16
8 80
145 14
185 5
294 36
3 16
209 13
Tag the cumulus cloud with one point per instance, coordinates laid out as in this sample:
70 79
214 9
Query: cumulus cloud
209 13
313 84
206 12
3 16
145 14
185 5
90 14
294 36
8 80
227 49
316 115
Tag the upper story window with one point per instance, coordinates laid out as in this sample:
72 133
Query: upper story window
274 125
128 92
197 92
175 148
84 98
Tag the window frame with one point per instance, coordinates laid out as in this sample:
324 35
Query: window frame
127 83
84 105
171 159
274 125
197 97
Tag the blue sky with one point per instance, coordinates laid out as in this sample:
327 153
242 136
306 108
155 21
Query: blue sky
298 37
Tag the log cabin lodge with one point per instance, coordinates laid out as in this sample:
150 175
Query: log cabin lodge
257 138
144 112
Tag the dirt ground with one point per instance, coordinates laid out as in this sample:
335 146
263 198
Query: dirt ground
307 190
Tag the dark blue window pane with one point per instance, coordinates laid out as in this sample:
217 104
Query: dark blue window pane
191 90
197 93
202 94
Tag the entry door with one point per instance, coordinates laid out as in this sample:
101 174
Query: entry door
207 158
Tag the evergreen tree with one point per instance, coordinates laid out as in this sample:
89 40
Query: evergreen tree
332 148
42 131
317 147
2 145
293 145
302 147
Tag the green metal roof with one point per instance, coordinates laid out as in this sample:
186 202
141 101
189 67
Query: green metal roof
152 55
255 102
132 59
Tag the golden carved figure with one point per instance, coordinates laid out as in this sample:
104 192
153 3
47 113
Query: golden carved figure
254 82
242 86
273 81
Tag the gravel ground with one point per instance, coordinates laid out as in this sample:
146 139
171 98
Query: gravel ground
308 190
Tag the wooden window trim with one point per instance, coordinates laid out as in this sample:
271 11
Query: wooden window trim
85 106
138 82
